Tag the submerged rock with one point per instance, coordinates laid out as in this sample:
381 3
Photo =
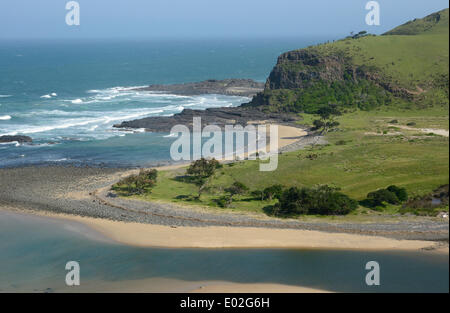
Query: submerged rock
19 139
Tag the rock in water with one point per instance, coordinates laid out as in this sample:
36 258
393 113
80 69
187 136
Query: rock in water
231 87
19 139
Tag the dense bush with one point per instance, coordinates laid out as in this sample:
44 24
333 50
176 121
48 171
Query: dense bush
347 93
137 184
391 195
321 200
273 192
401 193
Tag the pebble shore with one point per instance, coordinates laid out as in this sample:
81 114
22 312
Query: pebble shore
85 192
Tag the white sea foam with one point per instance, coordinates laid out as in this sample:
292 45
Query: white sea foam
5 96
10 143
102 108
100 118
171 135
5 117
46 96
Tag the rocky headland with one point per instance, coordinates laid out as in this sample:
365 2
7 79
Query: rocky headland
231 87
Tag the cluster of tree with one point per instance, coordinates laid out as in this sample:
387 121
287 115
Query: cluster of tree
269 193
319 200
200 171
345 93
137 184
391 195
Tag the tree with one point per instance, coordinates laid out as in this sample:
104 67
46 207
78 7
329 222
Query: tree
201 170
237 188
327 118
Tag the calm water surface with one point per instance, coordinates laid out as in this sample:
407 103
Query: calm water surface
34 251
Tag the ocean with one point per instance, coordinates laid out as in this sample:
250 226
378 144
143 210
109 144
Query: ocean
67 95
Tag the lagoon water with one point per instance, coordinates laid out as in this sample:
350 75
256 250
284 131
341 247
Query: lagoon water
34 258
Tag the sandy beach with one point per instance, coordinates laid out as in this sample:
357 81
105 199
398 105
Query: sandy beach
148 235
180 286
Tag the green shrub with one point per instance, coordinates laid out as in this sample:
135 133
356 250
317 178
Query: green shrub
321 200
137 184
392 195
400 192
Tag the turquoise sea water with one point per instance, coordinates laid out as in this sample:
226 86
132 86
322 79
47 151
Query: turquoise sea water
67 95
34 258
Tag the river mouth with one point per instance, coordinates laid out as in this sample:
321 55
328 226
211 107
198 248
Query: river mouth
34 252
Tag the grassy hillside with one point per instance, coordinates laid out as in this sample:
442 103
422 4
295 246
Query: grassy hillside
393 88
367 153
432 24
408 66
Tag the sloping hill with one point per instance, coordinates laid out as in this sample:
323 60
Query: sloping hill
407 66
431 24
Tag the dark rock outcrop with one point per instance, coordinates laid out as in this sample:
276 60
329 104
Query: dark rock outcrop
213 116
232 87
301 68
19 139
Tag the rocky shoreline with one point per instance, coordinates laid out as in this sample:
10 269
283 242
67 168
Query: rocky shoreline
85 192
230 87
212 116
242 115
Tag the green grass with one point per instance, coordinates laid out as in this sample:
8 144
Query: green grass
366 162
431 24
410 64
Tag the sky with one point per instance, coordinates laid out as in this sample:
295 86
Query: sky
46 19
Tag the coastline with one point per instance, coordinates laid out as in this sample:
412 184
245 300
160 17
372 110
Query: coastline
71 194
217 237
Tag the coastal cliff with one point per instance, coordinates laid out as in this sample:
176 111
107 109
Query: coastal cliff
408 65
